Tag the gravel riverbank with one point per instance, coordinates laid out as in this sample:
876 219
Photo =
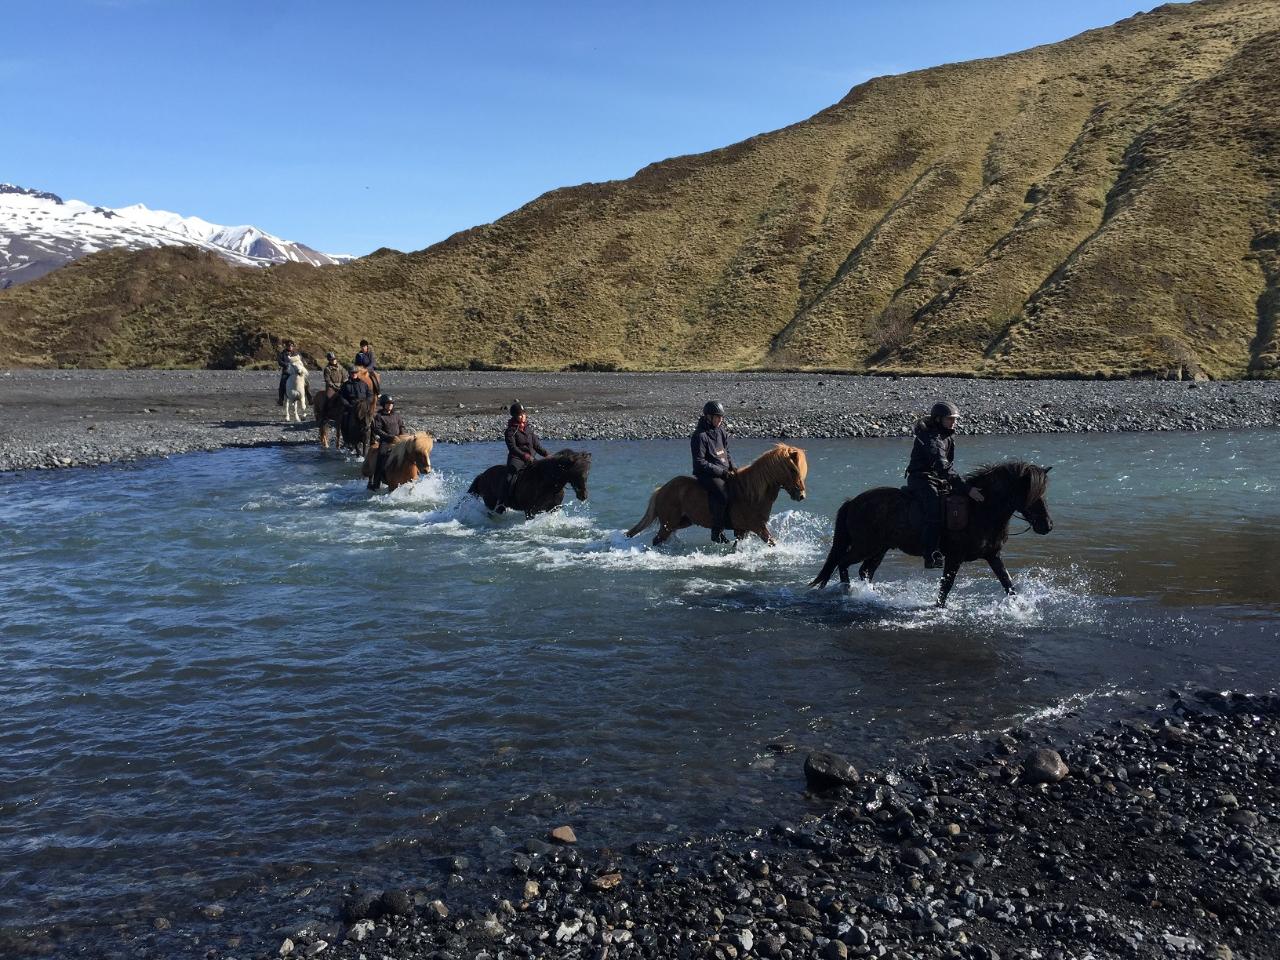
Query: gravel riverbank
63 418
1150 838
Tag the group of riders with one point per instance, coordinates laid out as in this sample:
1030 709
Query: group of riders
931 474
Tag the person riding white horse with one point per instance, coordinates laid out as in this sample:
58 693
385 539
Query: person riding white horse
295 390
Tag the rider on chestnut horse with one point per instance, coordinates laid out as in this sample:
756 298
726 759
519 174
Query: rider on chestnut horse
713 465
931 474
387 425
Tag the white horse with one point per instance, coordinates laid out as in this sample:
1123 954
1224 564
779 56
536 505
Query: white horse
295 391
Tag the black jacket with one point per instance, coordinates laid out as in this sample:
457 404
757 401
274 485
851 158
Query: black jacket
354 391
710 448
522 444
365 358
285 360
387 426
933 454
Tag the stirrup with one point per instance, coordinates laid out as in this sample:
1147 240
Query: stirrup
934 560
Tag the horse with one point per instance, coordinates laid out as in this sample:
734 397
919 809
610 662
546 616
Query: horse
410 455
885 518
540 486
353 431
329 410
295 390
681 502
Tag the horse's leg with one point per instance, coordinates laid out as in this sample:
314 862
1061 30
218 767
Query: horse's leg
869 566
764 534
996 563
663 534
949 571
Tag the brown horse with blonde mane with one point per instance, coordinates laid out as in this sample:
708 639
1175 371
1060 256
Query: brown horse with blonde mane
681 502
408 458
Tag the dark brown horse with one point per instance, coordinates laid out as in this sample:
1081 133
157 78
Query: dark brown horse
354 430
887 518
540 486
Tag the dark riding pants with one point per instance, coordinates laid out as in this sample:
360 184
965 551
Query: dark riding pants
717 499
932 499
514 466
284 379
380 465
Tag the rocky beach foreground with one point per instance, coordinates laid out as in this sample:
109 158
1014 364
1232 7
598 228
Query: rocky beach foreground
84 417
1152 838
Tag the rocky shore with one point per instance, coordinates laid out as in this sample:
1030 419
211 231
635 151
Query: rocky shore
68 418
1150 838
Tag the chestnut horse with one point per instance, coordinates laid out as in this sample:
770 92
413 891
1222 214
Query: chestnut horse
409 457
540 486
681 502
886 518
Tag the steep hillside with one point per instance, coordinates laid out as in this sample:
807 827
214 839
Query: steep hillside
1105 205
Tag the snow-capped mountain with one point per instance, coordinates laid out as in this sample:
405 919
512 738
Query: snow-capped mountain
40 232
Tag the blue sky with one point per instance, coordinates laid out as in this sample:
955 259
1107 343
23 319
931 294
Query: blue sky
350 126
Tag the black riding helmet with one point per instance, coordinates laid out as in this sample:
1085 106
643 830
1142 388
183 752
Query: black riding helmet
386 400
331 355
944 408
517 408
351 372
713 408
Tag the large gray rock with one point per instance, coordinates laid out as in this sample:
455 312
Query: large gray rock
826 771
1044 766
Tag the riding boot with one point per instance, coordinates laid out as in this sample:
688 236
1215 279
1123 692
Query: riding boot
379 473
933 557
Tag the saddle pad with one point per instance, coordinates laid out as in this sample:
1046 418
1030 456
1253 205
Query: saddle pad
957 512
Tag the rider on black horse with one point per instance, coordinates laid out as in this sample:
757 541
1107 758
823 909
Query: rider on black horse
522 444
354 392
931 474
387 425
713 465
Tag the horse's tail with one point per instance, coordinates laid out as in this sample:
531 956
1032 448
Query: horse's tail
840 543
650 515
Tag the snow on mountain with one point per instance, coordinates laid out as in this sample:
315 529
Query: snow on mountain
40 232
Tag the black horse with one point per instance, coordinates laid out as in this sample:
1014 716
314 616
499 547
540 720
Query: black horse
540 486
884 518
355 427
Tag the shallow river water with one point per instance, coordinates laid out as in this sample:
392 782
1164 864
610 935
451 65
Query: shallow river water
221 663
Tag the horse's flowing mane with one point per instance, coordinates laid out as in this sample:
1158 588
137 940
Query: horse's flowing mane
401 451
575 460
773 466
1010 474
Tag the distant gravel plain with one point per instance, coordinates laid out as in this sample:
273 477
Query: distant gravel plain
68 418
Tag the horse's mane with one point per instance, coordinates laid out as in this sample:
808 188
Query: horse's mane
772 466
418 443
1011 473
575 460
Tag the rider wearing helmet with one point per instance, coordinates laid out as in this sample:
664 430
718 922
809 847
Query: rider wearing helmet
364 358
522 444
713 465
931 474
387 425
332 375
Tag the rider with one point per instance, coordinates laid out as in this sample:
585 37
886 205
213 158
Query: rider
284 359
354 392
387 425
931 474
332 375
713 465
522 444
365 357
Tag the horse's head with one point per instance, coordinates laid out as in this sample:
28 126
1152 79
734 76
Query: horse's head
422 444
797 469
1034 510
574 467
298 367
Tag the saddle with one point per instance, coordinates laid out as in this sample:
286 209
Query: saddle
955 510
